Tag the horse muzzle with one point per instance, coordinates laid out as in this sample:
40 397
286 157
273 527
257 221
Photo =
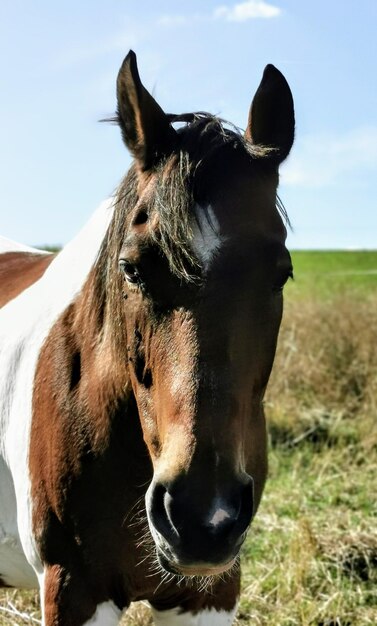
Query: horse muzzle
195 535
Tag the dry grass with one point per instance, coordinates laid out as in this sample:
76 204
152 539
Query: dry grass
324 382
311 556
19 607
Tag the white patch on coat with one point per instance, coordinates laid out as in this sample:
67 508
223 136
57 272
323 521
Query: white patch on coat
209 617
8 245
206 235
24 325
219 516
107 614
13 566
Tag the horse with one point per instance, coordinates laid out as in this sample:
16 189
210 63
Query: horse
133 369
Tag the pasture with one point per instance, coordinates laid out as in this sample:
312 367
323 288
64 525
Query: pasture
311 555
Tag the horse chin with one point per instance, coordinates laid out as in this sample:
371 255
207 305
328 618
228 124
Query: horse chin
189 571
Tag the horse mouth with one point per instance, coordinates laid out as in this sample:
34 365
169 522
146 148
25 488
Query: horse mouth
189 571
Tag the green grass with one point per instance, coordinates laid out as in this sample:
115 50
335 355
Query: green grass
311 555
323 273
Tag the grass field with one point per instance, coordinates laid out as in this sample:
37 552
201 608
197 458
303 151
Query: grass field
311 555
325 273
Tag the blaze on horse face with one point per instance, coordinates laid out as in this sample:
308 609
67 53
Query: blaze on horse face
201 340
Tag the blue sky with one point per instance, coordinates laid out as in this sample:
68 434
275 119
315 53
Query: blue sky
58 66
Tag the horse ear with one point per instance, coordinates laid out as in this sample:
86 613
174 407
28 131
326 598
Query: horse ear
271 118
146 130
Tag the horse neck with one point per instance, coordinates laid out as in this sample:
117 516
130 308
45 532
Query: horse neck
102 373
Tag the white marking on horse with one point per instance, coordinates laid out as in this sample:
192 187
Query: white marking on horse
219 516
206 235
209 617
107 614
8 245
25 323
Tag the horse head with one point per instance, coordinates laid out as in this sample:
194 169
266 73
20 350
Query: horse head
198 272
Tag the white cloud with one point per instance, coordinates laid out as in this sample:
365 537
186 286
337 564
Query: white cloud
251 9
324 160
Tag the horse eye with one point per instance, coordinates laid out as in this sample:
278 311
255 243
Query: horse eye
129 271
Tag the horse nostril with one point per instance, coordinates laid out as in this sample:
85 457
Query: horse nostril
246 509
159 512
169 509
